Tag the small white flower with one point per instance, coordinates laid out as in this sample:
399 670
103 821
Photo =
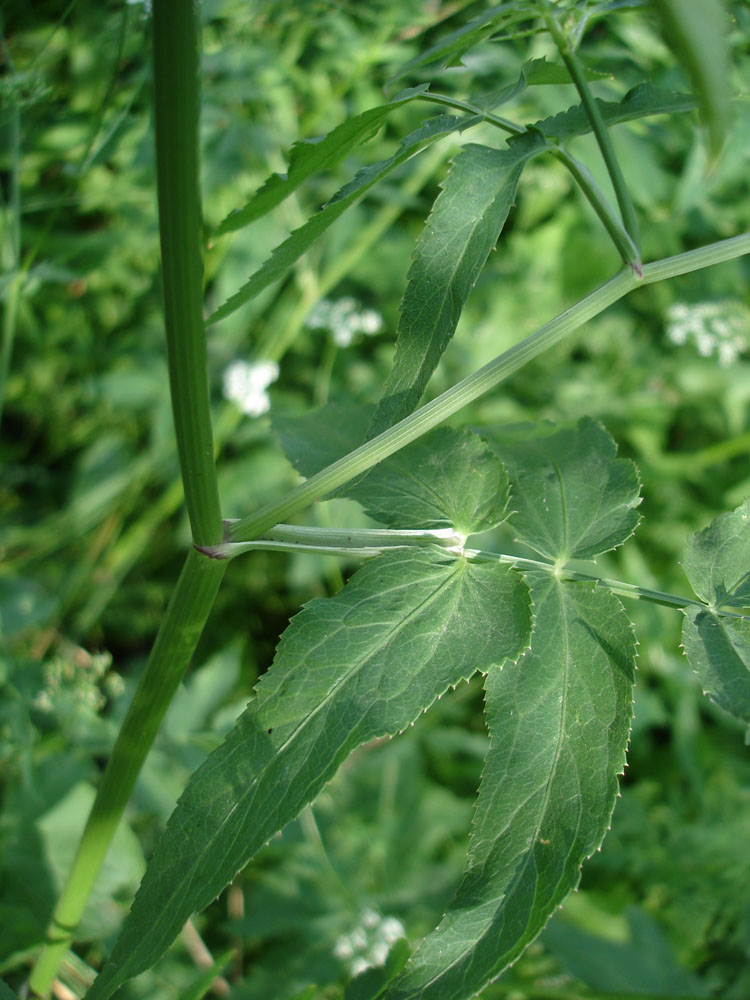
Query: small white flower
392 929
344 318
369 917
245 383
370 941
343 948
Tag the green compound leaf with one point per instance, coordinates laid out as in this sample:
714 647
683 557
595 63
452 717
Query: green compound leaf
717 563
571 497
717 560
311 156
640 102
559 721
447 479
718 650
464 225
362 664
303 238
697 34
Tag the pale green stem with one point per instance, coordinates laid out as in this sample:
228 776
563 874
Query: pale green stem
302 538
366 543
481 382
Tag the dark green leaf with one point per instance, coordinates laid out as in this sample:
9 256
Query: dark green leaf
447 479
717 563
570 496
534 72
464 225
559 721
360 665
311 156
315 439
696 32
717 560
449 50
718 650
640 102
303 238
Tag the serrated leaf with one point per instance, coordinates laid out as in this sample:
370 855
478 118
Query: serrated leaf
570 496
362 664
559 721
310 156
640 102
696 32
717 564
717 560
303 238
449 50
464 225
316 438
718 650
534 72
447 479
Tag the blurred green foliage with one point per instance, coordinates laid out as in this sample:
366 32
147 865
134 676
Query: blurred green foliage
92 523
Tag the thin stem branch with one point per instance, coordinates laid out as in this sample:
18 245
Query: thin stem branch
366 543
481 382
600 130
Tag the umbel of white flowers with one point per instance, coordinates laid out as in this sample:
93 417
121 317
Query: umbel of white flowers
246 384
715 327
368 944
345 318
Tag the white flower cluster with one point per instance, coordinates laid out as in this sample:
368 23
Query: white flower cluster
719 327
245 383
344 318
369 943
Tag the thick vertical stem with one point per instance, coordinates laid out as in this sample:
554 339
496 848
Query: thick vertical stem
176 98
176 105
180 630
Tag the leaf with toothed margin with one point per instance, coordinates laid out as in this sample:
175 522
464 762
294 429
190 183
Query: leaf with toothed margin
365 663
559 722
311 156
284 256
717 563
449 49
571 497
447 479
463 227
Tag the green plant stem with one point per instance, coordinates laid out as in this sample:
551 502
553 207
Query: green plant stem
452 102
180 630
476 385
176 106
609 218
600 130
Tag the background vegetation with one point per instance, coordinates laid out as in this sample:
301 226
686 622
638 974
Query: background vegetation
93 528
